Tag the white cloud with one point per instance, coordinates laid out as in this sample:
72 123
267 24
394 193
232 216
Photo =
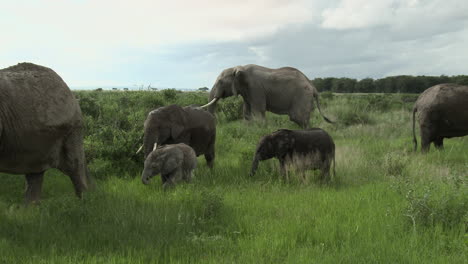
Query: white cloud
153 41
398 14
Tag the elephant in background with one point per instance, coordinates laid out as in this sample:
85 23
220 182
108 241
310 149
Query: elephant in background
175 124
41 127
284 91
305 149
442 112
174 162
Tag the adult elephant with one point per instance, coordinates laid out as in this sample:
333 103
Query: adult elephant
442 112
41 127
284 91
175 124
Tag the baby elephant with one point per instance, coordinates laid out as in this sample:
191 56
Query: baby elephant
175 162
305 149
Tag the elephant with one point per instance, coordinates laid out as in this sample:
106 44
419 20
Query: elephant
41 127
175 124
442 112
284 91
174 162
306 149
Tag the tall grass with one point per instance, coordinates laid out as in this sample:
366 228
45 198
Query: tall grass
386 205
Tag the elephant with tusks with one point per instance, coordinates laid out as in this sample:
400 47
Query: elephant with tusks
284 91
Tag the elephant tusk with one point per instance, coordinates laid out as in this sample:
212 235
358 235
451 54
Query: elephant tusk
139 150
210 103
155 146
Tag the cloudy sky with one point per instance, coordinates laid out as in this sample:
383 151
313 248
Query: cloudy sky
186 44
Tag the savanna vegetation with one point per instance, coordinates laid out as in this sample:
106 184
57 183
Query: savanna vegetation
387 203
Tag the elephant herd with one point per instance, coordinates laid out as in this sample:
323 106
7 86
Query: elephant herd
41 125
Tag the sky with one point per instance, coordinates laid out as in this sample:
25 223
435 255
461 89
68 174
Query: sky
186 44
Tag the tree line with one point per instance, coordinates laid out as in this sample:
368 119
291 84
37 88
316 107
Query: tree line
392 84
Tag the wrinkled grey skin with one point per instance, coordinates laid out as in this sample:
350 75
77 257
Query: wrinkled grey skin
174 162
40 128
174 124
284 91
442 112
310 149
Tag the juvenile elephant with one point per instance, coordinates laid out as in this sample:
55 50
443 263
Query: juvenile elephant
442 112
41 127
175 124
174 162
284 91
306 149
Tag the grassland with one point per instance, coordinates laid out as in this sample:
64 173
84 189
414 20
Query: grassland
387 204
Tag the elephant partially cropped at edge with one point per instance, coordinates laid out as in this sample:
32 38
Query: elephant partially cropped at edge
284 91
41 127
442 112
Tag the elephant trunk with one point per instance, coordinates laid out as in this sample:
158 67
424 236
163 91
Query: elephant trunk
254 165
213 101
145 177
148 142
320 110
415 141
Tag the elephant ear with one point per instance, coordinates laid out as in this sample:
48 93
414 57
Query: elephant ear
176 130
178 122
284 142
238 80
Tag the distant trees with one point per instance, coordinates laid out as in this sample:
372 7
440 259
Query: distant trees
203 89
393 84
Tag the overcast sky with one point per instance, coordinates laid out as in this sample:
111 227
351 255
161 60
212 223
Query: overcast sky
186 44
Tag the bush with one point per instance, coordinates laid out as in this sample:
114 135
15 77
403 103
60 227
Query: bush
169 94
231 108
433 205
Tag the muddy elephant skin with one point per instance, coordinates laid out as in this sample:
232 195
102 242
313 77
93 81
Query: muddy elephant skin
174 162
284 91
40 127
442 112
175 124
306 149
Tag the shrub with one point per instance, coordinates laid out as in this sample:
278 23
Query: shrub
169 94
432 205
231 108
395 163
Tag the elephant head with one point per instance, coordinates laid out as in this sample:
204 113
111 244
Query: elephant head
228 83
153 166
164 125
277 144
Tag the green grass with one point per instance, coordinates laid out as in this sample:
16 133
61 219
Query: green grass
387 204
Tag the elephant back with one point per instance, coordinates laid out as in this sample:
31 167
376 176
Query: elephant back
37 96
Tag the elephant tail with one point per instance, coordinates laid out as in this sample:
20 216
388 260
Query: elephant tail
320 110
415 142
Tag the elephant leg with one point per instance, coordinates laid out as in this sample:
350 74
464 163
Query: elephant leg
325 173
210 157
33 187
247 112
257 110
439 143
426 139
283 171
169 180
73 164
300 113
